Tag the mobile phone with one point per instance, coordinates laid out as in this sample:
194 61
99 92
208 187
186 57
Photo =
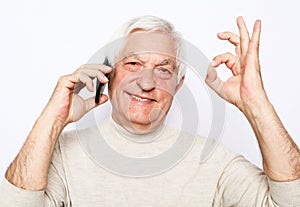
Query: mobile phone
100 86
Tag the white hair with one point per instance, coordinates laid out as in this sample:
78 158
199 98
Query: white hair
150 23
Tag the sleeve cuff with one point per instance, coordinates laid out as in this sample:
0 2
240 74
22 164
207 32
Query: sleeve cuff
12 196
285 193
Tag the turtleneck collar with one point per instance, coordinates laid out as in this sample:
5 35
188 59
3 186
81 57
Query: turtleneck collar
139 138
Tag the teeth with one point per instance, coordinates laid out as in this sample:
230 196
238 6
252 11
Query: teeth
140 99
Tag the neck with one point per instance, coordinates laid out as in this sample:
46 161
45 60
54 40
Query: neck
138 128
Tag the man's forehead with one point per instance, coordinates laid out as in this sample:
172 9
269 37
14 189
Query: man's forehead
149 42
152 56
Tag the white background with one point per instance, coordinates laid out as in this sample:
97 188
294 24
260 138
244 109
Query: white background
42 40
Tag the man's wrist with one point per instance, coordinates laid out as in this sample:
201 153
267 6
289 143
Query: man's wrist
48 121
260 107
51 116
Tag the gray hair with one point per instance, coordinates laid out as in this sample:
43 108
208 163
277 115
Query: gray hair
150 23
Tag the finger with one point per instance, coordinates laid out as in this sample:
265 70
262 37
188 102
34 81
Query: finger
244 35
90 102
214 82
228 59
101 67
92 73
94 70
68 81
71 82
231 37
255 39
86 80
87 73
78 87
84 74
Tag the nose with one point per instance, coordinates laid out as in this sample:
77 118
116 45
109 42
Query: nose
146 81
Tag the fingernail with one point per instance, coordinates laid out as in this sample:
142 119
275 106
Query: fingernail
108 69
104 78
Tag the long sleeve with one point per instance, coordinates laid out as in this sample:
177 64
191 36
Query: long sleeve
55 194
12 196
243 184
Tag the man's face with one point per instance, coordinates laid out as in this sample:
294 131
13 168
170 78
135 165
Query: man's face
144 81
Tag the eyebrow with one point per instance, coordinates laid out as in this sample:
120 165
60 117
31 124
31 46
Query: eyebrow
132 56
164 62
168 62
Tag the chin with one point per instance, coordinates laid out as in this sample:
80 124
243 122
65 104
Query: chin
140 120
149 121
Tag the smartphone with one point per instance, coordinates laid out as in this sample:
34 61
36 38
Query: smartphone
100 86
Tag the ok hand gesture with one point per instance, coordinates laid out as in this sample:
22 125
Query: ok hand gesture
244 88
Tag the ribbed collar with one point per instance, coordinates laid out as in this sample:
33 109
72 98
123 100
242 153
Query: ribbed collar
139 138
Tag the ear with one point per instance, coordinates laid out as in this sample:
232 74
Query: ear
178 86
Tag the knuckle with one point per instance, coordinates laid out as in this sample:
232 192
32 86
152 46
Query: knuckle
62 78
216 58
81 68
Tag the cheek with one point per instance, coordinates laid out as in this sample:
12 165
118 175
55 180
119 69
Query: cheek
166 99
167 90
115 82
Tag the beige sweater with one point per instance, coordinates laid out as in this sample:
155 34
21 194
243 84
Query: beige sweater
225 179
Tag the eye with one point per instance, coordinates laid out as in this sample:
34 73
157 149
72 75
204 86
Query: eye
133 66
163 73
133 63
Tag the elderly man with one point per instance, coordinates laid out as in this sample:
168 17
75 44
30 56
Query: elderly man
56 170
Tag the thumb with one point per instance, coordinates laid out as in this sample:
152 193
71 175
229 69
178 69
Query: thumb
90 102
214 82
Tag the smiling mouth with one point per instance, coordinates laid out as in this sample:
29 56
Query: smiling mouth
141 98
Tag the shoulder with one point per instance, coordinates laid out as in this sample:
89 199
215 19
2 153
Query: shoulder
69 141
203 149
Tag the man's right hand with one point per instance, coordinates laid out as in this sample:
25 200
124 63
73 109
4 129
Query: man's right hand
30 168
65 104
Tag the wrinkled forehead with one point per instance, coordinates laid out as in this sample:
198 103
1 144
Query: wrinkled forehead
149 42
